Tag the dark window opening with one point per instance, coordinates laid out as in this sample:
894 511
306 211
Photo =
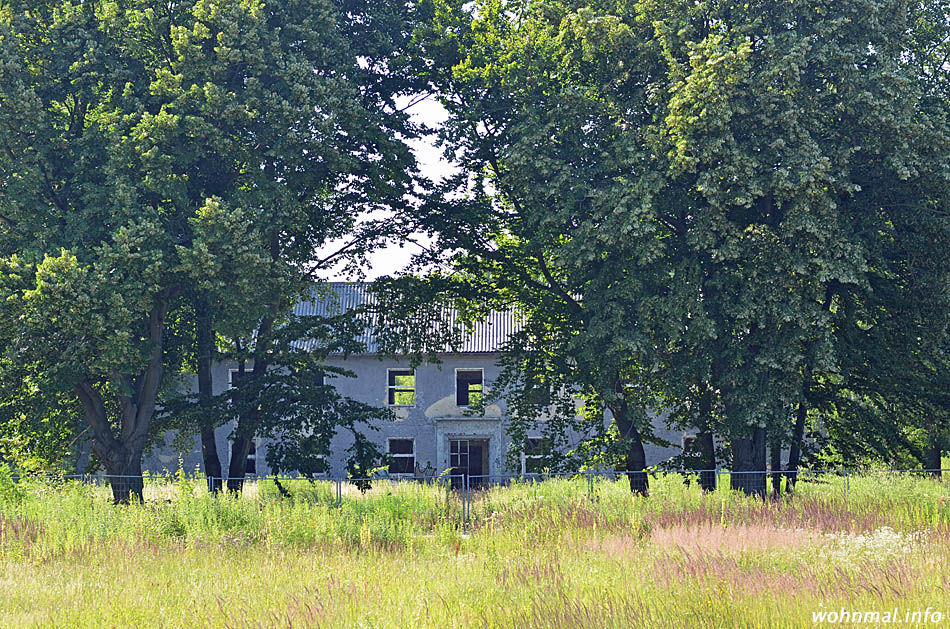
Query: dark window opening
468 387
403 456
689 443
319 466
236 377
534 455
401 387
538 393
251 466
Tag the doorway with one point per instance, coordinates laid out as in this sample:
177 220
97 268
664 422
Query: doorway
469 458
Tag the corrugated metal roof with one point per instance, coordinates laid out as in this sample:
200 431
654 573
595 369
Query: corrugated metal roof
335 298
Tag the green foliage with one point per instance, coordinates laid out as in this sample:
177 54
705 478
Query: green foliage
726 211
10 491
161 157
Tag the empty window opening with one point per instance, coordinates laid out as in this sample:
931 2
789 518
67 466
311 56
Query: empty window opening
319 466
537 392
401 387
689 443
468 387
532 459
234 376
403 456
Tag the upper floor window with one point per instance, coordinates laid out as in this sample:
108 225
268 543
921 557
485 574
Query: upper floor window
401 387
538 393
469 386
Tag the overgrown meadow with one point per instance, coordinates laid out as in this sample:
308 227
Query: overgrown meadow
545 554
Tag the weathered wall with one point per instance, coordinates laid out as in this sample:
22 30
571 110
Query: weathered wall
431 422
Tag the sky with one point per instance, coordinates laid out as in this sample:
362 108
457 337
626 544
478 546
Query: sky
392 259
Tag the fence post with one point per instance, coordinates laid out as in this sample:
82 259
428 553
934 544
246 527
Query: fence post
466 498
339 492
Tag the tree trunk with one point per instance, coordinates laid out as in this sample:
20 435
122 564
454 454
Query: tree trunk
748 463
635 461
249 417
124 470
795 449
209 452
707 451
705 444
933 454
776 464
122 454
238 464
209 448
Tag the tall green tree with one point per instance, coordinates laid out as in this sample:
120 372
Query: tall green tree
554 214
808 145
683 198
157 153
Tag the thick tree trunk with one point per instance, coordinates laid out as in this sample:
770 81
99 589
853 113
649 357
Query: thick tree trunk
124 469
209 452
775 463
795 449
748 463
706 445
122 453
238 464
209 448
933 454
635 461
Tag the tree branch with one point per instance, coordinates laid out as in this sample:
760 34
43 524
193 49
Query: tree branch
557 288
95 412
151 379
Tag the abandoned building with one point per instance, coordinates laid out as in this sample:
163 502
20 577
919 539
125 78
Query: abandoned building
432 429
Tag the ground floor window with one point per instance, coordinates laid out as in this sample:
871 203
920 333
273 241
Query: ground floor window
532 459
319 466
403 455
250 465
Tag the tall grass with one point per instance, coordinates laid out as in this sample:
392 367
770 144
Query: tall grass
542 554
